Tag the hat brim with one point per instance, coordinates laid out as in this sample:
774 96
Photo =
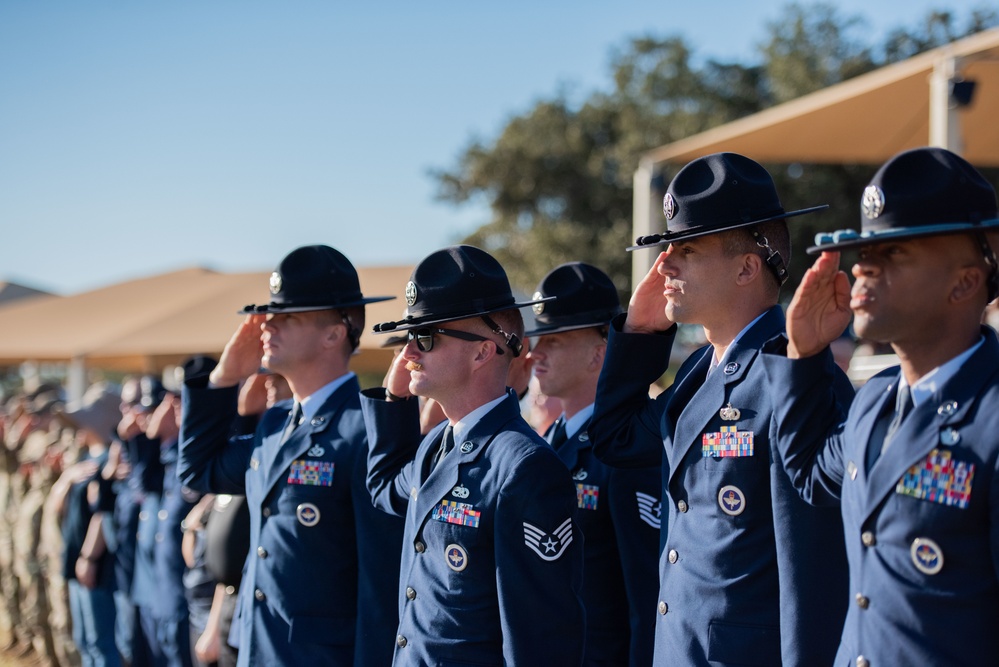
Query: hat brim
849 238
275 308
426 320
668 237
544 331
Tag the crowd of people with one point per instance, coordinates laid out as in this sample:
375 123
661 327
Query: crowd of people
264 509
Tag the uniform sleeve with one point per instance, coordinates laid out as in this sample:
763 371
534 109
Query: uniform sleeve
393 438
539 564
811 398
636 510
209 461
626 427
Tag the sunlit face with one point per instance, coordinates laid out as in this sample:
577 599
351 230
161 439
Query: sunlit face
698 275
292 340
564 361
902 288
446 368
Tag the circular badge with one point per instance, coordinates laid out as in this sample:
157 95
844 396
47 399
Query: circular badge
731 367
466 447
308 514
275 282
873 201
410 293
927 555
538 308
669 206
456 557
731 500
949 437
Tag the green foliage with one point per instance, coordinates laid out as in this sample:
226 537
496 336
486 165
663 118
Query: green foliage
558 178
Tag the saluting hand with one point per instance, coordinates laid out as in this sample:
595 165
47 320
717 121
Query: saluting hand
397 378
820 310
647 308
242 354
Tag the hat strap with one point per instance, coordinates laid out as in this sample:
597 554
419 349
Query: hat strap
990 259
353 335
774 260
512 340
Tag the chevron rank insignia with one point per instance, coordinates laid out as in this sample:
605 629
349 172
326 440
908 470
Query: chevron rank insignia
650 509
548 546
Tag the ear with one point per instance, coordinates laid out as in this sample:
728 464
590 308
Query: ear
597 357
970 279
336 334
485 351
749 270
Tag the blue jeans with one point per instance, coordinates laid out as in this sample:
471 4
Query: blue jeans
93 615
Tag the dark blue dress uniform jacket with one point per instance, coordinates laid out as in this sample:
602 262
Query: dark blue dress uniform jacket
749 573
620 516
492 557
922 529
318 587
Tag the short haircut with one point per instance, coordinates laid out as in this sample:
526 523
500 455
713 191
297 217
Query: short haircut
740 241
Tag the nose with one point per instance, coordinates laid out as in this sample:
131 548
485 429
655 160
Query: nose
865 268
666 267
409 351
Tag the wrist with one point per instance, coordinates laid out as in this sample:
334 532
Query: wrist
393 398
89 559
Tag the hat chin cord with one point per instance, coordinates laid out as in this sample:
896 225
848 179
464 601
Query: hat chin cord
512 340
353 335
774 260
990 259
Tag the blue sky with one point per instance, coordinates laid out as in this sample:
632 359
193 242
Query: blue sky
143 137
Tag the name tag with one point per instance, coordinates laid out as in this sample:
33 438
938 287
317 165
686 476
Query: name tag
311 473
939 479
727 442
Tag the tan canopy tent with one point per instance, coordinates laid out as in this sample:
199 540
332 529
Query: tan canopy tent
148 324
864 120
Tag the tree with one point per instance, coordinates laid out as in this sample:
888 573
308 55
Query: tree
558 178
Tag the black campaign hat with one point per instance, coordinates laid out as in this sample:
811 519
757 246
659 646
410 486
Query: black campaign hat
585 297
716 193
313 277
920 192
455 283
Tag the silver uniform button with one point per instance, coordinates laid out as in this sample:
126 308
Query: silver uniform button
682 506
143 515
862 601
401 641
673 556
262 552
266 511
162 515
259 594
158 537
420 547
229 590
410 593
862 661
867 537
663 608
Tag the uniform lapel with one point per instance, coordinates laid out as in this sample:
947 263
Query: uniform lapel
445 477
569 452
302 439
920 432
713 394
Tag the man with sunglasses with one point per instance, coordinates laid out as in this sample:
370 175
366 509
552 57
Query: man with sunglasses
915 464
317 586
734 587
619 509
492 553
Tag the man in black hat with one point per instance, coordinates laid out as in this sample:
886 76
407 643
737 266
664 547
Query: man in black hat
619 509
914 464
733 588
318 586
492 555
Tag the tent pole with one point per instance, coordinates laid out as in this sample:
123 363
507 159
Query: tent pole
945 123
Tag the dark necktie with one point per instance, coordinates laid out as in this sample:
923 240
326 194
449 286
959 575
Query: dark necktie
293 421
558 434
447 444
888 425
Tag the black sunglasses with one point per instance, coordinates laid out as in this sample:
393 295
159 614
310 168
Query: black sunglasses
425 337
